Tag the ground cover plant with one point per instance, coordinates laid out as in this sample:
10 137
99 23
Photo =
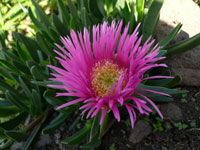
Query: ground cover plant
24 81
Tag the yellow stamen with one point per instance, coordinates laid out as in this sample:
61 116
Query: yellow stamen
105 74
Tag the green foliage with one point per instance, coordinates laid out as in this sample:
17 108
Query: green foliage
180 126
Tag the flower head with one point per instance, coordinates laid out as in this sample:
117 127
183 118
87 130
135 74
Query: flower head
104 74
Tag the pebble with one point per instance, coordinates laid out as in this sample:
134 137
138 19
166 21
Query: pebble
171 111
140 131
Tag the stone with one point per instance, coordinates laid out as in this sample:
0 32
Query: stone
140 131
186 64
17 146
171 111
44 140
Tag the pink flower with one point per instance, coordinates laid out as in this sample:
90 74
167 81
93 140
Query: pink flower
104 73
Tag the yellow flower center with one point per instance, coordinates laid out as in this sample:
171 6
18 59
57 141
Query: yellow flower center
105 74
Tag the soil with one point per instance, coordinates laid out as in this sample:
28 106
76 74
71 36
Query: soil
117 138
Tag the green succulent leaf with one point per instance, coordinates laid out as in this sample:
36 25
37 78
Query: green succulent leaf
33 135
6 111
93 5
63 13
79 136
21 67
56 123
14 122
151 19
36 21
92 144
36 102
38 74
45 46
41 15
9 66
59 26
184 45
25 85
17 135
30 44
74 13
95 126
170 36
50 97
16 101
46 83
158 97
140 9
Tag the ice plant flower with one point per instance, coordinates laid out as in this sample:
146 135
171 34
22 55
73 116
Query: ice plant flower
104 74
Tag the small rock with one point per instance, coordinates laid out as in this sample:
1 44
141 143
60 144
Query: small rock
171 111
141 130
197 95
17 145
44 140
193 99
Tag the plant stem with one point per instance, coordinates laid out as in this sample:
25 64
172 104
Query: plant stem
103 126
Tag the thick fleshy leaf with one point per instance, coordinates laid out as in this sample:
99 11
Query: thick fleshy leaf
151 19
44 46
46 83
36 102
170 36
26 86
33 135
94 8
14 122
92 144
50 97
9 66
17 135
184 45
95 126
169 83
16 101
74 13
41 15
140 9
56 123
158 89
30 44
79 136
63 13
38 74
59 26
8 111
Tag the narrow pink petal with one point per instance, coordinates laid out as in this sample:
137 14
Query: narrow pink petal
156 77
130 114
70 103
103 114
97 110
91 110
121 100
116 112
152 91
156 108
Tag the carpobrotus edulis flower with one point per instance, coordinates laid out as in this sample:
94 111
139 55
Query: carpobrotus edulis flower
104 73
